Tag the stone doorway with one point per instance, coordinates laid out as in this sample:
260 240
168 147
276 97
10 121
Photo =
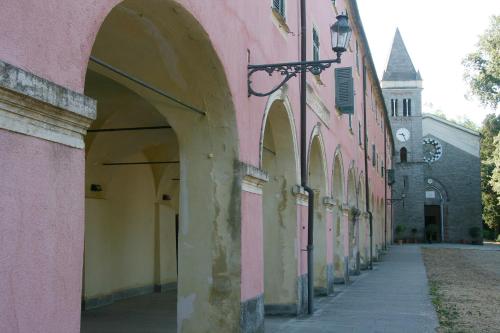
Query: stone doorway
433 223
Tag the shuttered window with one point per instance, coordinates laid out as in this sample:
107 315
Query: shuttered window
344 90
279 6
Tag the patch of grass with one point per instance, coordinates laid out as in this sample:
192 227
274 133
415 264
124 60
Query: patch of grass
446 312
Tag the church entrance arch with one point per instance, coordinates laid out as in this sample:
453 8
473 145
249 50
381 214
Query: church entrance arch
435 204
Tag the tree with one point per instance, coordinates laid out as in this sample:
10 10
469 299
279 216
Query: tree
495 177
490 199
482 67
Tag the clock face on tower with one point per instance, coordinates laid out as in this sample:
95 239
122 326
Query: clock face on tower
403 134
432 150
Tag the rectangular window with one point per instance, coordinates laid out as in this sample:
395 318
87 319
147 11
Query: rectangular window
406 183
406 107
315 45
350 121
374 161
357 56
394 107
279 6
360 139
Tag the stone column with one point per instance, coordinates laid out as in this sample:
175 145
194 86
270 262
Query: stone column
346 232
329 204
252 246
301 198
42 170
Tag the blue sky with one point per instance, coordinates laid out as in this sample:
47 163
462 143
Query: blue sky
438 35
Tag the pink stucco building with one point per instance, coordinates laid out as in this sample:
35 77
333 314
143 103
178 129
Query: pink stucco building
205 199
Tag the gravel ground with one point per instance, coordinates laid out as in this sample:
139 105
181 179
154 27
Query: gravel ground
465 286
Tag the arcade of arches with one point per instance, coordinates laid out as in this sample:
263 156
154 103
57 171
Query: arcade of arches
179 231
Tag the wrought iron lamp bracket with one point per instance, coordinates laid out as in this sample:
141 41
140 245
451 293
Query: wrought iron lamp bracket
288 71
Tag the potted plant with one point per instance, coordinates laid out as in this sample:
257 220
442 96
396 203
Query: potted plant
414 232
474 233
431 231
400 229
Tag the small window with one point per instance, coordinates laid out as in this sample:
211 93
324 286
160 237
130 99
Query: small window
357 56
406 107
350 121
360 139
374 152
394 107
403 155
279 6
315 45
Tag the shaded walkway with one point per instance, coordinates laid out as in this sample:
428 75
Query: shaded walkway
391 298
149 313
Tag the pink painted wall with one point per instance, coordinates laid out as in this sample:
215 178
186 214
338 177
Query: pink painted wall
41 235
252 246
53 39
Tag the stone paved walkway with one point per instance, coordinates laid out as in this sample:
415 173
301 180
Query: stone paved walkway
391 298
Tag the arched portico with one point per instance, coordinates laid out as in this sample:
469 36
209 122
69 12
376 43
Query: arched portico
189 169
279 160
318 182
353 225
338 225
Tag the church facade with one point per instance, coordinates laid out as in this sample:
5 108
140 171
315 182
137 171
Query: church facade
436 185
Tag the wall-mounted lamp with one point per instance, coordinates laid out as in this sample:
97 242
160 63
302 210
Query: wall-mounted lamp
95 188
340 36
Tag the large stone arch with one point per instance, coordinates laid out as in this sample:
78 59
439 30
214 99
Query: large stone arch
160 42
279 156
318 182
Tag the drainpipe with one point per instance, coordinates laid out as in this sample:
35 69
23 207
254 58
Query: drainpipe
367 188
385 188
303 160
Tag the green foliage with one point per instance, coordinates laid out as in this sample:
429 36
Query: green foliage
482 67
495 160
491 204
474 232
400 229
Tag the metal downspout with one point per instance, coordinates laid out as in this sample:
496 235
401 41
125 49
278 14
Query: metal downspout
385 188
367 188
303 160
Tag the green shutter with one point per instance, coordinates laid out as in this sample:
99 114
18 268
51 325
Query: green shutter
391 179
344 90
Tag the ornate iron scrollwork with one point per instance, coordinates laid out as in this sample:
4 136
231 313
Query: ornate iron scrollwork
288 71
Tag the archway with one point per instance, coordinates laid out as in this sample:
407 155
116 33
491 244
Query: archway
364 232
435 207
338 195
281 294
317 180
353 225
187 170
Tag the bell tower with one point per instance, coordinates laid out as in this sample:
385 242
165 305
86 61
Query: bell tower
402 90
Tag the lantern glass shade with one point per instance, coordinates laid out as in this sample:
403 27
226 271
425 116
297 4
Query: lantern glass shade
341 34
